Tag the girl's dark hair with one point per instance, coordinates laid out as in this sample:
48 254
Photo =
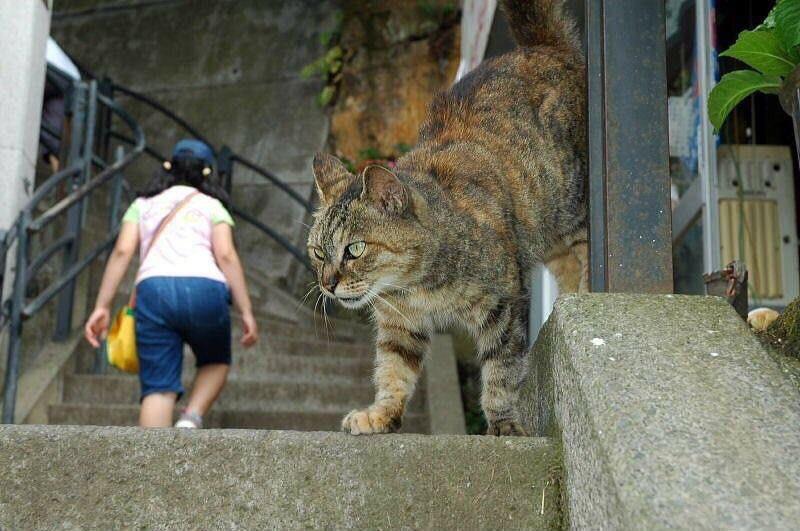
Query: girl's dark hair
186 171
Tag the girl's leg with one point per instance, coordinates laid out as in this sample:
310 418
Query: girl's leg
208 384
157 410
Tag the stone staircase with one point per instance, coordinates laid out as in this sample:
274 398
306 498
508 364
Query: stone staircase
110 478
296 378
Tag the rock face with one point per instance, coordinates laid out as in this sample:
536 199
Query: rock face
231 69
82 478
398 54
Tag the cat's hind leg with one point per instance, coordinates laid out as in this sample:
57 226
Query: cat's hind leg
504 365
400 350
570 264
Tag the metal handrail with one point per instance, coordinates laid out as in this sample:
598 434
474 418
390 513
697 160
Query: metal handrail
163 110
233 158
82 158
273 179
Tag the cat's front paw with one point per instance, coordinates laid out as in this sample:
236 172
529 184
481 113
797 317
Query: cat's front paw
368 421
505 428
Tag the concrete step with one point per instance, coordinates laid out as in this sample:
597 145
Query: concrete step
341 357
332 369
239 393
279 417
312 329
101 478
315 323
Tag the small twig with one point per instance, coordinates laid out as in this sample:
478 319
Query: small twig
541 512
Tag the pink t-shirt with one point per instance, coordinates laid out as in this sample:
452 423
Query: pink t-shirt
184 247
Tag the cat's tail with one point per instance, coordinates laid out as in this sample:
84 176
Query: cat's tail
541 23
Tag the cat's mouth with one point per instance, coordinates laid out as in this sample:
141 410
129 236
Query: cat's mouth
353 303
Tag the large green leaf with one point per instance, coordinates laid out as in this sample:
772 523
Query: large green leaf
769 22
787 22
763 51
735 87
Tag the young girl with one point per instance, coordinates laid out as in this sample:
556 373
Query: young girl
183 287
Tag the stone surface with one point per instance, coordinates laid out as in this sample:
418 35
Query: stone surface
399 54
671 412
108 478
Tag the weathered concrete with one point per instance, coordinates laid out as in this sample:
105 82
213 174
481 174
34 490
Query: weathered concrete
109 478
671 412
445 410
232 69
24 27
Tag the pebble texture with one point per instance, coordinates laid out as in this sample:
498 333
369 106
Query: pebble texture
678 418
109 478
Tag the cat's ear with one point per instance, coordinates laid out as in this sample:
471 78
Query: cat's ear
384 190
331 177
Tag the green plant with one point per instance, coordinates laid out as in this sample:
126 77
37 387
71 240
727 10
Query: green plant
328 67
436 11
771 50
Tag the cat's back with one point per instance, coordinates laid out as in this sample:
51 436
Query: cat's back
524 97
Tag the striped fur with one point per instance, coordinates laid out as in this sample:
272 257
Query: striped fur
495 185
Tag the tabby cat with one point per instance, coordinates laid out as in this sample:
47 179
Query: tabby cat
495 185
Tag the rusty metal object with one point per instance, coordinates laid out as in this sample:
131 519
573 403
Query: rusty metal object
629 193
730 283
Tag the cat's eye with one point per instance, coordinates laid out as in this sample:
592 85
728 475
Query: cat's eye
318 254
356 249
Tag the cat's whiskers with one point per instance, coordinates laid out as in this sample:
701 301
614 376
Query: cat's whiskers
395 286
390 305
321 294
325 321
305 297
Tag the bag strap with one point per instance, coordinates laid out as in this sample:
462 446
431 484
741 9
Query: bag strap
160 230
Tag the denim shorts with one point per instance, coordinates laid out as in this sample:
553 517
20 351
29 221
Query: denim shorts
171 311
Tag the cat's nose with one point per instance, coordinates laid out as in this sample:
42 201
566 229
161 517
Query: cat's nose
330 283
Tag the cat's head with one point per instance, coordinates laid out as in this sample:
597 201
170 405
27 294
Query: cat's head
366 237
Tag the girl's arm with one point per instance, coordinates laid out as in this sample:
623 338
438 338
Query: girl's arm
228 261
124 249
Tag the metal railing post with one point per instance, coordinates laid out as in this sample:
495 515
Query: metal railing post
101 359
629 198
80 154
3 255
15 329
225 168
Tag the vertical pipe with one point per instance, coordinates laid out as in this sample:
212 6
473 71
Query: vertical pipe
77 151
629 201
595 117
707 153
15 329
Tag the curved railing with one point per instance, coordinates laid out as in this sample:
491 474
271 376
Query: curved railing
227 160
86 104
92 107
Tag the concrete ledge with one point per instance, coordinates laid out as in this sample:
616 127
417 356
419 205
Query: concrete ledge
445 409
672 415
79 478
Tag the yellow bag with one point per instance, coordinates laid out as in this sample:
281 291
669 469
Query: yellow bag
121 341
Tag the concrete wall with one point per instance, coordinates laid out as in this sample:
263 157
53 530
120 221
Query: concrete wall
671 413
23 36
232 70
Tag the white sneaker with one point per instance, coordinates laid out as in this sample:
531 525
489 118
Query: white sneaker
189 420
